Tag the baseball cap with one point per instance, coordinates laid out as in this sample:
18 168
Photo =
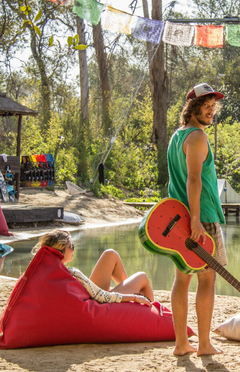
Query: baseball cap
202 90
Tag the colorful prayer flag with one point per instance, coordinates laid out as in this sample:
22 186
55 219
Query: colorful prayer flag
60 2
147 29
178 34
209 36
88 9
233 35
116 20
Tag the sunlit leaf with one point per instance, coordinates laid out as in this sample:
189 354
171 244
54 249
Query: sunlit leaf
26 23
50 41
38 16
23 8
37 30
76 37
70 40
80 47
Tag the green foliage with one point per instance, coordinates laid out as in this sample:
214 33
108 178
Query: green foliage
228 152
65 166
134 162
149 196
173 116
111 191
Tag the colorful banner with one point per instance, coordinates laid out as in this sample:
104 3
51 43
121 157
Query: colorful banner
178 34
209 36
61 2
88 9
232 35
147 29
116 20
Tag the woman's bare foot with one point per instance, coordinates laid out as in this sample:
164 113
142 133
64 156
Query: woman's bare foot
208 350
184 349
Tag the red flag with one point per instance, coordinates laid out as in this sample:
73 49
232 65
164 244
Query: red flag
60 2
209 36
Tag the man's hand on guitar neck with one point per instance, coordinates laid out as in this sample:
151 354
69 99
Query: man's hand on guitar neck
197 230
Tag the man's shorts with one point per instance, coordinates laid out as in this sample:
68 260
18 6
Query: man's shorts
214 230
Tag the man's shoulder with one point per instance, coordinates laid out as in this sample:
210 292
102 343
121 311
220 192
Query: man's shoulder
196 142
197 135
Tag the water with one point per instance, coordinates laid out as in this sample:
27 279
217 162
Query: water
124 239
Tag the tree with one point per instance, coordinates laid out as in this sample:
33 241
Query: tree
103 74
159 100
83 69
41 19
149 47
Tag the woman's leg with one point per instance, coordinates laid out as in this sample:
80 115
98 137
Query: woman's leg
109 266
136 283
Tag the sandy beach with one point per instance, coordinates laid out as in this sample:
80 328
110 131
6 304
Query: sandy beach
127 357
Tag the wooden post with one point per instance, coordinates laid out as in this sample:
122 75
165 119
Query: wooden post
17 175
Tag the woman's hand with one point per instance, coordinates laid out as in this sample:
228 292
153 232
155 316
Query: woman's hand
136 298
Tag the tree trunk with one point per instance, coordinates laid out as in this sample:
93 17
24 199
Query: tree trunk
159 136
84 90
82 55
103 72
149 46
45 86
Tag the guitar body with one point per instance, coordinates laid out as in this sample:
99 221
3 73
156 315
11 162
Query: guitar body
155 223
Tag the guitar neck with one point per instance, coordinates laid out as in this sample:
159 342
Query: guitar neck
215 265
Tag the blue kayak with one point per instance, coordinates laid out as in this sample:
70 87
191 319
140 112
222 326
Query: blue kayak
5 249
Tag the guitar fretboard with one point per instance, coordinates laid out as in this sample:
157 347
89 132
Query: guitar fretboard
205 256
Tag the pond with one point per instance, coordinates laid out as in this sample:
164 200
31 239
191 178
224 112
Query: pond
89 244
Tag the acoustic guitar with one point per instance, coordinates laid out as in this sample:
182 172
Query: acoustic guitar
165 229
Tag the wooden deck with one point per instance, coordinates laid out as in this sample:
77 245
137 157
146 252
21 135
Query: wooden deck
15 213
230 208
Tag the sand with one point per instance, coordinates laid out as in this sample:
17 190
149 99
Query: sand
149 356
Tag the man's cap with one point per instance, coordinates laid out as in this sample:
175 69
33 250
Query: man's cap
202 90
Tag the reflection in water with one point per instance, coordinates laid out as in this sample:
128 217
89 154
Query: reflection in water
90 244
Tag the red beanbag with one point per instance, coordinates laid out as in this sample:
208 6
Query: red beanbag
48 306
3 224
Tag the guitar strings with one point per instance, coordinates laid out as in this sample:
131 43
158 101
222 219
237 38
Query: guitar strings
214 263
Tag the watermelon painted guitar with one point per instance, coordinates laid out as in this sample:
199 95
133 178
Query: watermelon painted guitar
165 229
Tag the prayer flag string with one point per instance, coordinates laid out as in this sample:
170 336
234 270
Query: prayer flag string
151 30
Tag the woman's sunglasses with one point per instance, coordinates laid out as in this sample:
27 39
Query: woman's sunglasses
71 247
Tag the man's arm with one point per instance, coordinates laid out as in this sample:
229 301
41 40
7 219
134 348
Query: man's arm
196 149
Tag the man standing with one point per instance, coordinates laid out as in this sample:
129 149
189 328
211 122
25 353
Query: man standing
193 181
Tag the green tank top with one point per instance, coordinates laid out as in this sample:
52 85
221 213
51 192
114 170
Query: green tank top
210 205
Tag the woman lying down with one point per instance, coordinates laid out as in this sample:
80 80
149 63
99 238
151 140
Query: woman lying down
135 288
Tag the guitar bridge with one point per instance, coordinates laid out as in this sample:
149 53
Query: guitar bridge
171 225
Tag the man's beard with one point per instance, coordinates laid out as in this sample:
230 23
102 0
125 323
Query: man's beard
203 122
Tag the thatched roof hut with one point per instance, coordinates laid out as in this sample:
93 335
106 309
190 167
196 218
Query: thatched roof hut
8 107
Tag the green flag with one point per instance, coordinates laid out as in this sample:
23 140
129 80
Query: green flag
233 35
88 9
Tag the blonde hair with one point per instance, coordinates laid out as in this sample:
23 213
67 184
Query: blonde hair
57 239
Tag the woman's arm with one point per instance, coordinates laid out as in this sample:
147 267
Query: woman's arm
102 296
